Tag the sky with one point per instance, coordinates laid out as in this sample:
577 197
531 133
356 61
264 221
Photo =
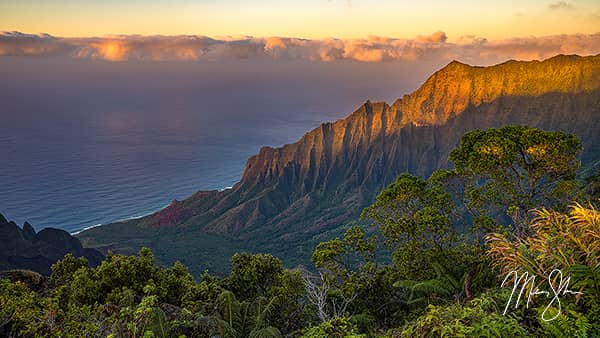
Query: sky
290 35
476 32
389 46
311 19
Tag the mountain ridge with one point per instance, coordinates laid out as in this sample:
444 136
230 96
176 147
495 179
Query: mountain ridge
23 248
294 193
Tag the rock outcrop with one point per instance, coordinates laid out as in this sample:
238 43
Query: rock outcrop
23 248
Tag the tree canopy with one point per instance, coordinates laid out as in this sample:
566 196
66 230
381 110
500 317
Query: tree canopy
427 260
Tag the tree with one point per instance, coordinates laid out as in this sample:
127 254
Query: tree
317 291
513 169
348 259
347 267
63 270
350 280
253 275
21 310
416 219
435 227
291 312
200 297
133 272
175 283
259 277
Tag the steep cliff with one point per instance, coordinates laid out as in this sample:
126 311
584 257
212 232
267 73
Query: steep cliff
290 195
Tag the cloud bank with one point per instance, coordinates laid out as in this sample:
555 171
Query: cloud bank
372 49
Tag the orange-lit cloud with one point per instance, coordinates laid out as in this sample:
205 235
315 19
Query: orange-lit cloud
372 49
438 36
135 47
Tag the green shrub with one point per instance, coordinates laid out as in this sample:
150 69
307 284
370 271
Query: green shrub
481 317
339 327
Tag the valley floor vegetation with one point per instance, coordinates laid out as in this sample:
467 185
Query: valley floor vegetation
427 260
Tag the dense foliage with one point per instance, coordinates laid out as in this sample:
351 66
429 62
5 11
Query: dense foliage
429 262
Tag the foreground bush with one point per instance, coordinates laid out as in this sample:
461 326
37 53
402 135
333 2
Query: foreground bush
565 242
424 268
481 317
340 327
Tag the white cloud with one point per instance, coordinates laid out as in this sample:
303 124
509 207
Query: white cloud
372 49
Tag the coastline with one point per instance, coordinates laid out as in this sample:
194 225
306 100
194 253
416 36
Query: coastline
75 233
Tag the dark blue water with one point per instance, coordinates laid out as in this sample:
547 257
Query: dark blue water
60 178
85 143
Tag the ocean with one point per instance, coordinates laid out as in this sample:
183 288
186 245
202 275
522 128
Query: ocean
53 177
87 142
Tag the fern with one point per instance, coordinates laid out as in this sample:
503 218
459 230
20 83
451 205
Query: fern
425 289
229 308
477 318
569 324
444 285
241 319
586 277
157 323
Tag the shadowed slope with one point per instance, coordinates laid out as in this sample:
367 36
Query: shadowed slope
23 248
289 197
